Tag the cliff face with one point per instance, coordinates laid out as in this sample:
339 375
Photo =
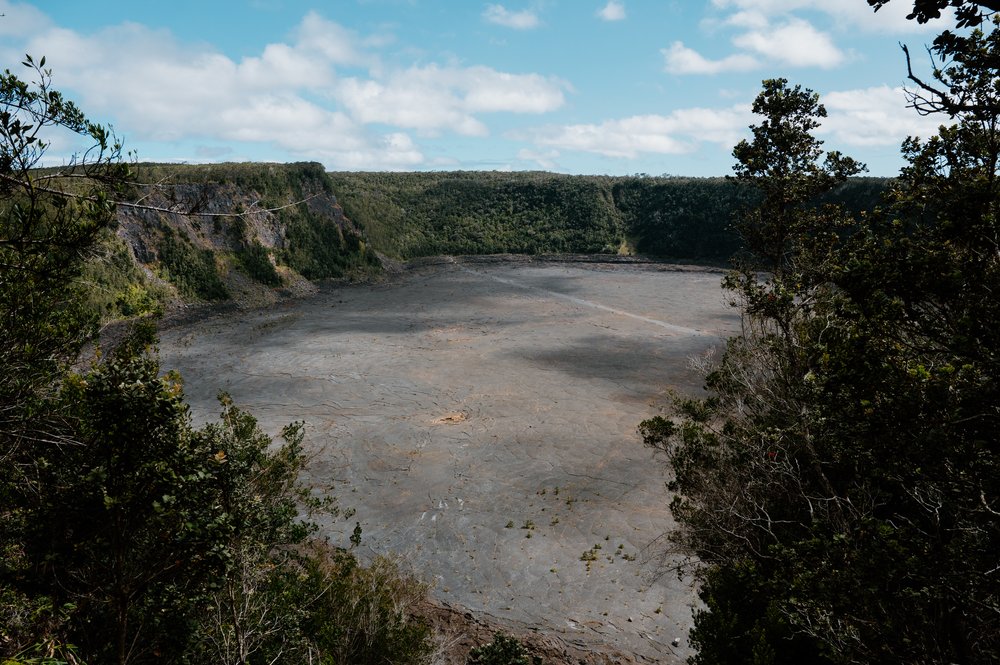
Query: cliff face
243 232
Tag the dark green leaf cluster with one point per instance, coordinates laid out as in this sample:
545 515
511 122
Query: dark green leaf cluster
503 650
841 482
425 214
968 12
256 262
209 220
406 215
319 248
126 534
191 269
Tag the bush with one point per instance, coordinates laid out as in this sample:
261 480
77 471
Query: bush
191 270
256 261
363 614
503 650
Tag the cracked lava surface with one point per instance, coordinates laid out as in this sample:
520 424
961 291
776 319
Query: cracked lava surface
480 417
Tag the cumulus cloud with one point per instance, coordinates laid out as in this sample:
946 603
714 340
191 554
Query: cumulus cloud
434 98
679 132
545 160
323 95
522 20
795 42
874 116
680 59
772 31
21 20
848 14
337 44
613 11
861 118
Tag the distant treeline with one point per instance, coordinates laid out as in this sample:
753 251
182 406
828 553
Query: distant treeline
406 215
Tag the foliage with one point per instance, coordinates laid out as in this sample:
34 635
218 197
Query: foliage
256 261
275 184
48 223
127 535
318 248
114 285
212 220
411 214
685 218
503 650
968 12
190 269
363 614
129 527
419 214
840 483
44 235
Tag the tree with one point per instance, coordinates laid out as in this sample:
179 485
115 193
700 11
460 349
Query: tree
129 528
731 450
841 482
968 12
127 535
49 220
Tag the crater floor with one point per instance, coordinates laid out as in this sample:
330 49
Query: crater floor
481 418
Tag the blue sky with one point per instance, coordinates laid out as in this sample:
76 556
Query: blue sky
574 86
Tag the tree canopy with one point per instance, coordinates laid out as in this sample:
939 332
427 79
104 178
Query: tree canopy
841 483
968 12
126 534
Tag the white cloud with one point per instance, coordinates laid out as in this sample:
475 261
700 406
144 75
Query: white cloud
795 42
773 31
19 20
874 116
433 98
848 14
860 118
678 133
545 160
337 45
765 6
613 11
682 60
522 20
751 20
315 97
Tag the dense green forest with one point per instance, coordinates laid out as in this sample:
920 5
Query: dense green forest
127 535
840 484
406 215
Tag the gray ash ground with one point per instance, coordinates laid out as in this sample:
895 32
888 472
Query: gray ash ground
481 418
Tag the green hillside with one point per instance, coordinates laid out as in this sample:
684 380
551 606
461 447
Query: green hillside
222 232
406 215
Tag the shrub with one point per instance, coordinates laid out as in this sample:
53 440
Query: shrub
503 650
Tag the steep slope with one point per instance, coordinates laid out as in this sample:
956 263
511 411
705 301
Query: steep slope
242 232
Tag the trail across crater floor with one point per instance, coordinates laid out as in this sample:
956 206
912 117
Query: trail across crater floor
481 419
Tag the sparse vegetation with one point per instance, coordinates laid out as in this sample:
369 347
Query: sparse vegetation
503 650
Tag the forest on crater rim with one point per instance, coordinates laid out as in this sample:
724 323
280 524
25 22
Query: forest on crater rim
838 486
